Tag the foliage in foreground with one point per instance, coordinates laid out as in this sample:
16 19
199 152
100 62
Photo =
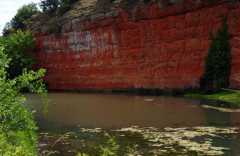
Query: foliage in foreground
138 141
100 144
110 148
18 46
17 127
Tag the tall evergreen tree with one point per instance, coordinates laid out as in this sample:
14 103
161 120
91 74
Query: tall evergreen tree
218 62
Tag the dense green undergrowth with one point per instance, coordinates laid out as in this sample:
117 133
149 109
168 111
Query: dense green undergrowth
17 127
224 98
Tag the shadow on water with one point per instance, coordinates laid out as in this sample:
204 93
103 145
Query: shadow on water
72 112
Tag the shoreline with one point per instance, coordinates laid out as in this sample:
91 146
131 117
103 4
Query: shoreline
225 98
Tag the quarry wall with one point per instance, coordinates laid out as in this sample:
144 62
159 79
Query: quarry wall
149 48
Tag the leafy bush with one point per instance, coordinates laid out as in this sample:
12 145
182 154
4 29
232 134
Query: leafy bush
65 5
20 20
18 46
23 14
49 6
17 127
56 6
218 62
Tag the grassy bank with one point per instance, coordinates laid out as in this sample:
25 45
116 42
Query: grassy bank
226 98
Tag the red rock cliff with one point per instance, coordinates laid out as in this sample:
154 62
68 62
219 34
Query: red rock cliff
149 47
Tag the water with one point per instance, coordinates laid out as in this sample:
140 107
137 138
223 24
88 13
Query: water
135 121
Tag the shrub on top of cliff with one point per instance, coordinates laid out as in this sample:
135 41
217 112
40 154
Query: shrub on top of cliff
58 7
218 61
65 5
49 6
18 47
20 20
146 1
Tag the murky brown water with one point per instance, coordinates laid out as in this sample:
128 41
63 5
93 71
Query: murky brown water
112 112
116 111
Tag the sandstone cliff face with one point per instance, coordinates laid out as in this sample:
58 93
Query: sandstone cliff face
105 45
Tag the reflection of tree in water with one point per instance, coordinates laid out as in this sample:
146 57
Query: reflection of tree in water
234 145
217 118
224 119
233 141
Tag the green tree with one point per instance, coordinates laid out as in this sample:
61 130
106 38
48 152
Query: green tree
19 47
58 7
218 62
7 30
20 20
49 6
65 5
